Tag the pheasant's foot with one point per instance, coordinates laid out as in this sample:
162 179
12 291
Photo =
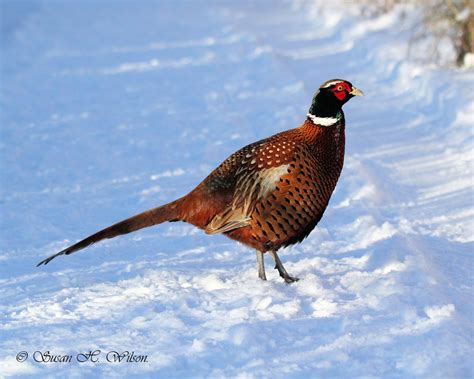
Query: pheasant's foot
281 269
290 279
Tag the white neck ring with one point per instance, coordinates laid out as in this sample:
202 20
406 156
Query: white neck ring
324 121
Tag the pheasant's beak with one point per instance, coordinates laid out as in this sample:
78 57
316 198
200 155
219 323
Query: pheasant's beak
356 92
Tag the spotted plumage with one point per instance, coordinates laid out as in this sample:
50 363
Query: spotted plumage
267 195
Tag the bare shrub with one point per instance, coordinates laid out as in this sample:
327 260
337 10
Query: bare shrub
442 20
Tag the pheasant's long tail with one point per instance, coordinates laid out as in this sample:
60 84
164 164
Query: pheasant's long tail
167 212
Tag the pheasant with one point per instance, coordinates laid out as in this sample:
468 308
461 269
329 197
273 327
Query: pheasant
269 194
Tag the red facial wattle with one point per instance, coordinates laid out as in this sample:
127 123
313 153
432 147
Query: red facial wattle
340 95
341 90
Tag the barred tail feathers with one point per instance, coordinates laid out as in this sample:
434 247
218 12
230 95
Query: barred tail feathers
167 212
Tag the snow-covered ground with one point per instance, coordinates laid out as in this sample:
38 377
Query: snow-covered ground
110 108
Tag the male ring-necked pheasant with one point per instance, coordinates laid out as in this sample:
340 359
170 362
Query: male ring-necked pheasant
267 195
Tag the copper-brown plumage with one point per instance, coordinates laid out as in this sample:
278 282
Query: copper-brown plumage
267 195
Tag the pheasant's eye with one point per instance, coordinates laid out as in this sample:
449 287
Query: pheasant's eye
339 88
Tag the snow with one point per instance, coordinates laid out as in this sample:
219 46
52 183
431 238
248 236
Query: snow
469 60
108 109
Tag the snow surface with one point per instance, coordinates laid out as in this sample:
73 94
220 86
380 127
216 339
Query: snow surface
110 108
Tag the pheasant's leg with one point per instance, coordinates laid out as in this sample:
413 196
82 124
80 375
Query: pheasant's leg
261 265
281 269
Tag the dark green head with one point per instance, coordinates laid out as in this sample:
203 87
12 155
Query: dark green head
331 96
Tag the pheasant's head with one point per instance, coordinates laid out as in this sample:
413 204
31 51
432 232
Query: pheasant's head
331 96
339 90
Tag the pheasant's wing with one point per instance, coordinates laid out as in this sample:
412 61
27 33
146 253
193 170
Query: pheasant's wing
249 175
